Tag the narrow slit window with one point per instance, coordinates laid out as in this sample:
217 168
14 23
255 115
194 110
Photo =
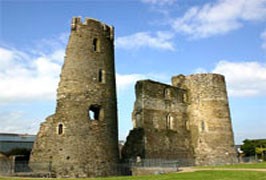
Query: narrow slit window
138 118
96 45
203 126
101 76
94 112
169 122
187 125
167 93
60 129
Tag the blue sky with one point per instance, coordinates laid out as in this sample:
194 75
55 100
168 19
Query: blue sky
155 39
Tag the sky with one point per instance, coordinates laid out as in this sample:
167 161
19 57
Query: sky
154 39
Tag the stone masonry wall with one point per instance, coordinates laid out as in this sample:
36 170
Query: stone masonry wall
209 118
189 121
161 111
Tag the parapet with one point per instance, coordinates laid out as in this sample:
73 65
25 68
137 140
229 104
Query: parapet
178 81
77 21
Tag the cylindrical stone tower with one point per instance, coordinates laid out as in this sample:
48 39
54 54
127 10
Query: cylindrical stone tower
81 138
209 118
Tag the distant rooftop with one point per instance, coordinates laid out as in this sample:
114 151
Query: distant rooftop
17 137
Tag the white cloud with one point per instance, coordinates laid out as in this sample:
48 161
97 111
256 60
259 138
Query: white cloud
263 37
159 2
220 17
125 81
243 78
15 122
30 77
159 40
26 77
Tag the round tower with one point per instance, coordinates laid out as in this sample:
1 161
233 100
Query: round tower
209 118
81 138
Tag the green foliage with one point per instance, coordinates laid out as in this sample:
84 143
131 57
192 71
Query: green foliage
249 146
260 150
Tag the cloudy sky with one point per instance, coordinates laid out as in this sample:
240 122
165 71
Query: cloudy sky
155 39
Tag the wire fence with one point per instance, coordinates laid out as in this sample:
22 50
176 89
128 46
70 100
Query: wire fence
46 169
160 162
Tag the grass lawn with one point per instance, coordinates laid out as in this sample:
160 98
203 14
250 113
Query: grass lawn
261 165
199 175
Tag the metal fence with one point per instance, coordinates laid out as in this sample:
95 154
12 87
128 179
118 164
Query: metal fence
161 163
22 168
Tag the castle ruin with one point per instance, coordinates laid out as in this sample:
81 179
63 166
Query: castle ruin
188 121
81 138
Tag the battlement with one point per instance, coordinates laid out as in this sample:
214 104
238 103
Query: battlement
207 78
90 22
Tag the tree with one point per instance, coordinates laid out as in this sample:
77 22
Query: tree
249 146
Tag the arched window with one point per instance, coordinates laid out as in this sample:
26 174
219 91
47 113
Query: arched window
60 129
101 76
169 122
96 45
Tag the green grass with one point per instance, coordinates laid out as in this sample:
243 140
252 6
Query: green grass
261 165
199 175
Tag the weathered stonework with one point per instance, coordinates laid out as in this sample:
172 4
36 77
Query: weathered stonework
5 165
188 121
81 138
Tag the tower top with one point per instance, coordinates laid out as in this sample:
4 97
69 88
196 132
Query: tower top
90 22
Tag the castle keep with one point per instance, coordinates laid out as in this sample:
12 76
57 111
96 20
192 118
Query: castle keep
81 138
188 121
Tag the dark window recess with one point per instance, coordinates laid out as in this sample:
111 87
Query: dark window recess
96 45
94 112
60 129
202 126
101 76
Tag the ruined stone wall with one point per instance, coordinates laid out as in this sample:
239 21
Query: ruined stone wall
161 111
5 165
188 120
209 118
81 138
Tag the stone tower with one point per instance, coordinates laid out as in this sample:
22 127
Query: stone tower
209 118
81 138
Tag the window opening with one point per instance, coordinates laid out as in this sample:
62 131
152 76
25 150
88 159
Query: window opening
203 126
96 45
187 125
94 112
185 100
138 117
60 129
167 93
101 76
169 122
